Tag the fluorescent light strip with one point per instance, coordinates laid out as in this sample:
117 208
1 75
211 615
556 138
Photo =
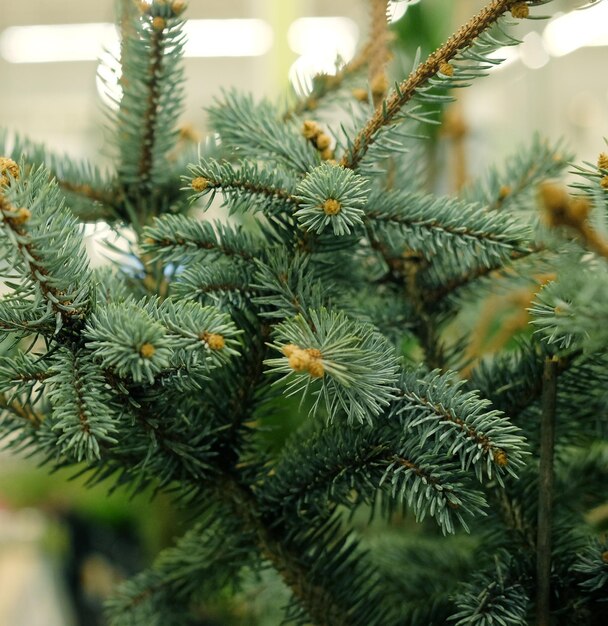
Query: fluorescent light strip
86 42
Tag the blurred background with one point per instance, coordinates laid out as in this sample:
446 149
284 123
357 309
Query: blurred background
63 546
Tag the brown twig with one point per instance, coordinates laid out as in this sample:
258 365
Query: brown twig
378 54
392 106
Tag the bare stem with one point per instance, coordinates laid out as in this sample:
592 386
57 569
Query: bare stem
545 492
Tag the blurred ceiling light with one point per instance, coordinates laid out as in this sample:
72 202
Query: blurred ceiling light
578 29
57 42
86 42
339 36
532 50
227 38
330 36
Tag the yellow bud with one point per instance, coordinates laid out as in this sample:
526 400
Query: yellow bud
316 369
331 207
215 342
579 209
21 216
360 94
500 458
327 154
379 85
314 353
7 166
602 161
289 349
604 182
147 351
299 361
199 183
323 141
504 191
520 11
310 129
446 69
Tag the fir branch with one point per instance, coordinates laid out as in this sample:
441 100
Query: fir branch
404 92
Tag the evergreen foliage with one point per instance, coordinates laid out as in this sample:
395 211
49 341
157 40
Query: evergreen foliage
330 297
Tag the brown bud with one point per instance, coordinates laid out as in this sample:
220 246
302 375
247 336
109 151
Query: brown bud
379 85
520 11
604 182
503 192
500 457
310 129
323 141
327 154
21 216
178 6
159 23
360 94
602 161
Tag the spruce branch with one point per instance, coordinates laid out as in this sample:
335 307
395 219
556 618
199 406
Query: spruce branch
462 423
404 92
152 78
244 187
177 238
51 264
